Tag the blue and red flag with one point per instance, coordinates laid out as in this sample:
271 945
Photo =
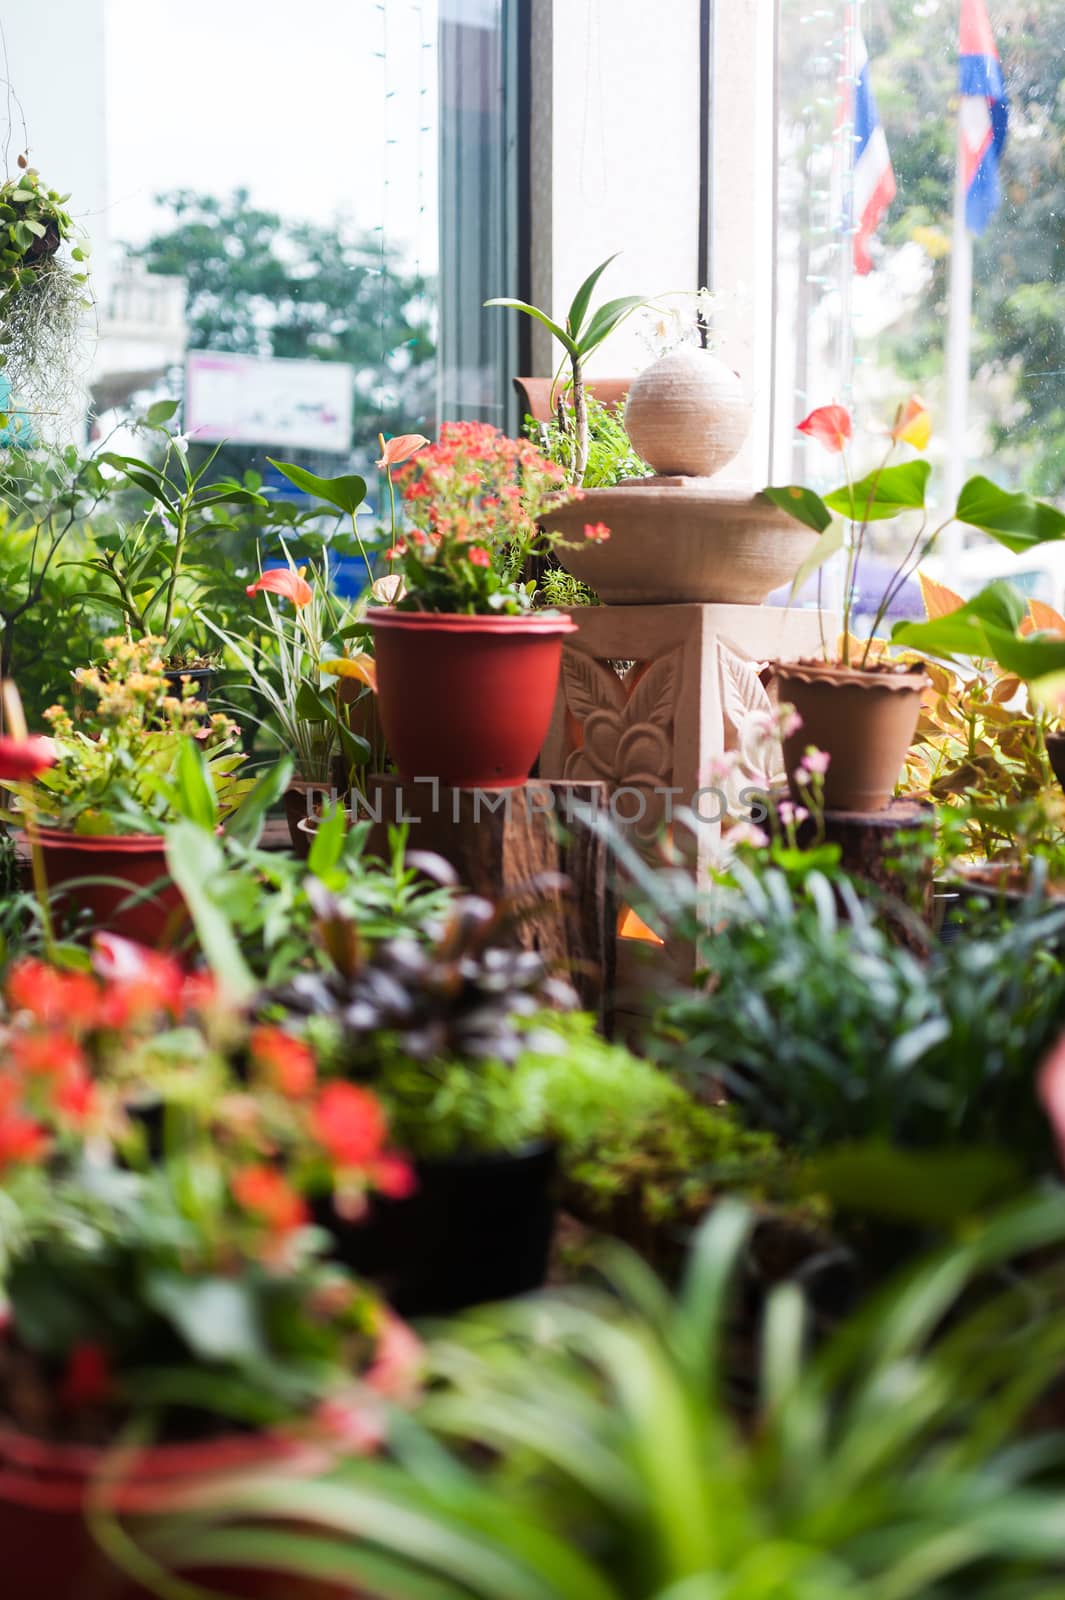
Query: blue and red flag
983 115
874 177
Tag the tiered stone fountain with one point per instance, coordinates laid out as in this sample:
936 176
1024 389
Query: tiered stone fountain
667 674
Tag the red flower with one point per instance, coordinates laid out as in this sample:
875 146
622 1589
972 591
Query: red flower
139 981
285 582
393 1176
401 448
596 532
829 425
75 1098
45 1054
21 1139
52 996
268 1196
87 1379
25 758
288 1063
479 557
350 1124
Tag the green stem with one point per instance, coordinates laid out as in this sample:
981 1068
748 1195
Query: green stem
580 423
179 547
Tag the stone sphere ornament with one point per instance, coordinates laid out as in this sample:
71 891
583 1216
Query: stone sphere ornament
688 415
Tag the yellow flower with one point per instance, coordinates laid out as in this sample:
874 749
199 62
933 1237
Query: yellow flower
913 423
360 666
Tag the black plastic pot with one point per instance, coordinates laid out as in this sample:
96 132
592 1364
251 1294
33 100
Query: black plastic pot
202 680
477 1228
1056 754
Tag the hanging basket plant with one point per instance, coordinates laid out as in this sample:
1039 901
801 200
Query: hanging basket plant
43 296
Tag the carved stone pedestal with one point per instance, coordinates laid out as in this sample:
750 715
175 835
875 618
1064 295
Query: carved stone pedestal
650 698
651 695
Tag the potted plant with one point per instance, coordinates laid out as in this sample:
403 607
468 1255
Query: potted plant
466 668
859 703
42 299
169 1317
299 670
130 764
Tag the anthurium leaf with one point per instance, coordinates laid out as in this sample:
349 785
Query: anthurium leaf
929 1186
582 299
1035 656
881 495
532 311
802 504
1015 520
826 547
606 320
246 823
161 412
311 705
346 493
964 632
217 1317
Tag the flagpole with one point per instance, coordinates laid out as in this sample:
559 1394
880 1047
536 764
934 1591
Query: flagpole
959 343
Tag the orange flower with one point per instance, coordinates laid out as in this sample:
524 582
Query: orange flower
267 1195
400 449
913 424
596 532
285 582
287 1061
25 758
829 425
479 557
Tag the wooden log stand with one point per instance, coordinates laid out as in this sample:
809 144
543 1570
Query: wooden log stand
498 841
873 848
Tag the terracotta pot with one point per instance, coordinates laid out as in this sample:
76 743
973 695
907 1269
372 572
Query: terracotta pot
303 799
466 699
48 1550
687 414
864 720
535 394
136 861
676 539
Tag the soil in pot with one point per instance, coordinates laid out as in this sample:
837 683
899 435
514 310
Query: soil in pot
464 699
477 1228
101 873
864 720
49 1551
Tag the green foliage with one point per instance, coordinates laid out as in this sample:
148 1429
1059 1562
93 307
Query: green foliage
581 1447
825 1031
266 285
557 587
41 299
987 627
611 457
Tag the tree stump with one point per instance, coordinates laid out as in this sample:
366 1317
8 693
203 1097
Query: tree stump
873 847
499 841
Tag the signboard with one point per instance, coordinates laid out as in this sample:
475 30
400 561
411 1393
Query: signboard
266 401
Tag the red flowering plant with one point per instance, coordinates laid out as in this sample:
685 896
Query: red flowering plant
158 1163
476 506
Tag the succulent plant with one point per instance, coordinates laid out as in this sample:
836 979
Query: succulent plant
461 997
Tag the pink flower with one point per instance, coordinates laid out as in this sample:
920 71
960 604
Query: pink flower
745 833
790 814
1050 1086
789 721
479 557
721 767
815 763
286 583
400 449
596 532
829 425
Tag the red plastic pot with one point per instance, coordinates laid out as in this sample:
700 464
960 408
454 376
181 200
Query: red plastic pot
136 861
49 1551
467 700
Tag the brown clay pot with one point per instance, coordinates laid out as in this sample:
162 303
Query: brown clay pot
467 699
130 862
302 799
864 720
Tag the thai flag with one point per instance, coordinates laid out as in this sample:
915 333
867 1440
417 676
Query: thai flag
874 179
983 115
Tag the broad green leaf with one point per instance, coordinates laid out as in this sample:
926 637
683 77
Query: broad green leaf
570 345
936 1187
964 632
802 504
194 860
215 1316
605 320
1035 656
194 791
161 411
312 706
582 299
346 493
1048 693
830 541
1015 520
235 496
246 823
328 843
881 495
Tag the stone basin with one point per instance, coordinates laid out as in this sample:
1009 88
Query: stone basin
678 539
